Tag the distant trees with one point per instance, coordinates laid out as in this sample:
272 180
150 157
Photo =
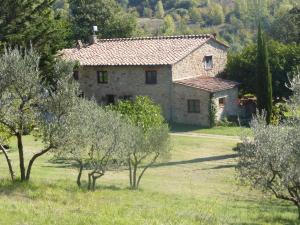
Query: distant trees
160 12
286 28
111 19
149 136
168 27
263 77
270 159
283 58
27 103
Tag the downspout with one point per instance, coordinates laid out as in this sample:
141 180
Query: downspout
171 93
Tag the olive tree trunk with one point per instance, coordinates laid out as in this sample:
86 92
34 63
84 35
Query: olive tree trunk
11 172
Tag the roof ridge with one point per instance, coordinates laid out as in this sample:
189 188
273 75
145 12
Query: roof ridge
158 37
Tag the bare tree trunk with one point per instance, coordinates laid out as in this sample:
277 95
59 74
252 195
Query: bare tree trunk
94 183
134 175
130 172
144 170
90 180
21 156
79 175
34 157
11 172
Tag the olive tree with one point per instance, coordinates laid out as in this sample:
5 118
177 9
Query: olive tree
95 140
27 103
270 160
148 136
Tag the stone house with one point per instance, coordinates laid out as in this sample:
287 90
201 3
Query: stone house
177 72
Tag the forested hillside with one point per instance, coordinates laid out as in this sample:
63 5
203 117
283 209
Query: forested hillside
235 21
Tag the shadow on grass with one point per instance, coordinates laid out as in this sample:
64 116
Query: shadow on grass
176 127
197 160
221 167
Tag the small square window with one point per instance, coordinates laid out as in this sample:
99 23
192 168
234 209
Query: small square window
76 75
208 62
221 102
193 106
102 77
151 77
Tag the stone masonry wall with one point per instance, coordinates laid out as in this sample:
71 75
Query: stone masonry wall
230 107
193 64
181 95
128 80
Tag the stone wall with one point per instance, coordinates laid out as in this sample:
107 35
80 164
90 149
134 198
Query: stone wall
128 80
181 95
193 64
231 107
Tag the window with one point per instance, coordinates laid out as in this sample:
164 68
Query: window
76 75
102 77
151 77
125 97
110 99
208 62
193 106
81 94
221 102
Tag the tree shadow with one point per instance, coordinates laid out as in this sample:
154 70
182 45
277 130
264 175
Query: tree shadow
221 167
176 127
197 160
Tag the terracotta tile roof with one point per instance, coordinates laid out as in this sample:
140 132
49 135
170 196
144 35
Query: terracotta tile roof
210 84
137 51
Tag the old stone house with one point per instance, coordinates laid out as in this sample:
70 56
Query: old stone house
177 72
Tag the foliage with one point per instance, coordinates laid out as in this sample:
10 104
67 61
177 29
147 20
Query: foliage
110 18
263 77
149 136
270 160
283 58
168 27
160 12
212 112
33 23
27 103
286 28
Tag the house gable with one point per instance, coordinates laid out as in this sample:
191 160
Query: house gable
192 65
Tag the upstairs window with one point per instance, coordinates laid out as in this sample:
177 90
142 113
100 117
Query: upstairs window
76 75
151 77
102 77
193 106
208 62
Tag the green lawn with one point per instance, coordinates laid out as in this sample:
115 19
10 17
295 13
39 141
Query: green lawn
196 186
217 130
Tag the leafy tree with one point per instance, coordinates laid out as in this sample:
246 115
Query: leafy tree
27 103
149 136
270 159
215 15
168 27
160 12
111 19
195 15
283 58
33 22
263 77
286 28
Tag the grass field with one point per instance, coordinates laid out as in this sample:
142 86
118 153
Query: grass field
196 186
217 130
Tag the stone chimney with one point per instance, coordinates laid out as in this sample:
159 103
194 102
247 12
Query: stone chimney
93 39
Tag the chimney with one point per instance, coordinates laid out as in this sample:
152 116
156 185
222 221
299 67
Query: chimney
93 39
79 44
